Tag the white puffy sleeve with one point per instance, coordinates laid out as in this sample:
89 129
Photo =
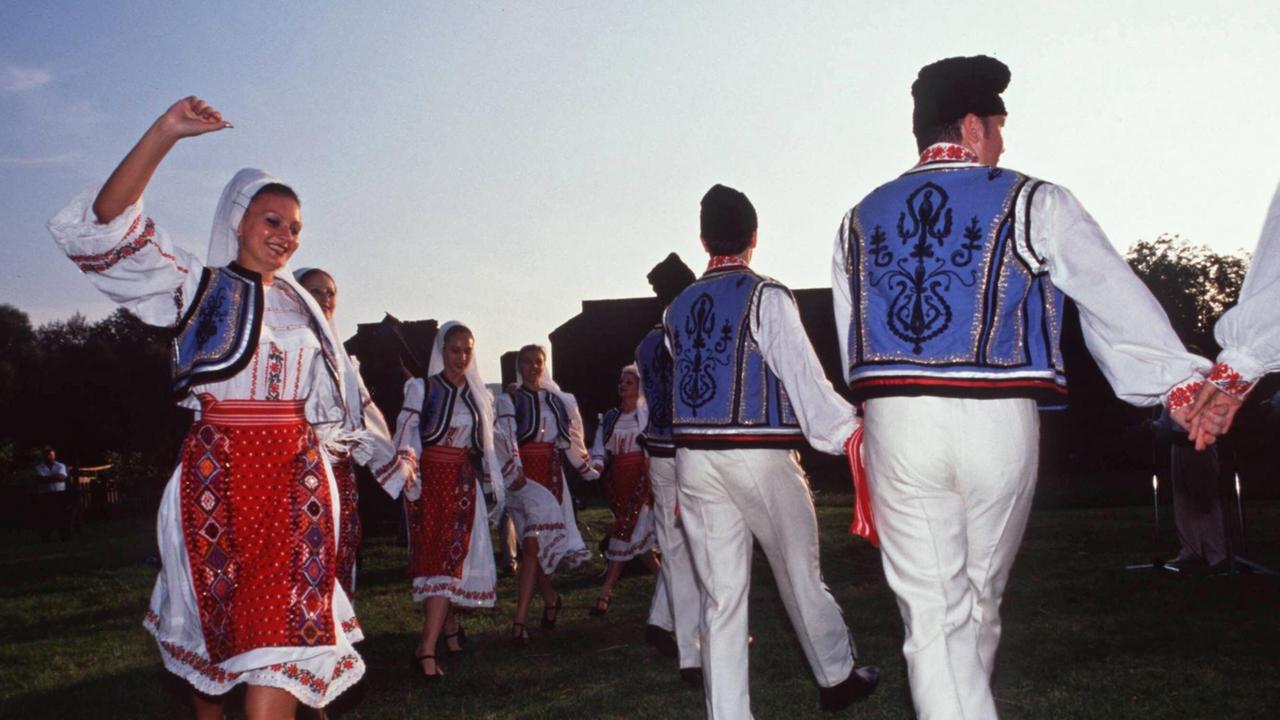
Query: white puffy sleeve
1249 333
577 453
504 438
1124 327
390 466
408 441
826 418
130 259
841 302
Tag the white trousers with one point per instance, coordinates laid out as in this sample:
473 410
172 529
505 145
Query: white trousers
951 485
726 497
677 597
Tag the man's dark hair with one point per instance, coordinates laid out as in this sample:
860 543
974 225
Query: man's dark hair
950 132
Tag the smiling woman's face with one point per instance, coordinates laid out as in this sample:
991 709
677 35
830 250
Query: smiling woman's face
269 233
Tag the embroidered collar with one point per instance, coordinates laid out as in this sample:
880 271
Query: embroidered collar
718 262
946 152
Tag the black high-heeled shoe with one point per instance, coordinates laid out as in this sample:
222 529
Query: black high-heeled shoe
601 607
551 613
460 635
519 635
425 679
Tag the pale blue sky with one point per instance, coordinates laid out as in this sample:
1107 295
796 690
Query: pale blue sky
499 164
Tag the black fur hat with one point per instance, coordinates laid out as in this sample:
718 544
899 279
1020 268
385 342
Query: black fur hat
728 217
669 278
949 89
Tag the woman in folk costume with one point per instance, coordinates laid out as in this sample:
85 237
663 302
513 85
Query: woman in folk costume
376 452
545 425
447 422
248 523
617 454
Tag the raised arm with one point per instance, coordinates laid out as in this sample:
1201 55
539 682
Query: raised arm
188 117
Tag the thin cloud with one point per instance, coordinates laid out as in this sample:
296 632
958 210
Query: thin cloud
15 79
39 161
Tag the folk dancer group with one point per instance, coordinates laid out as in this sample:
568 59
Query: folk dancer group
948 283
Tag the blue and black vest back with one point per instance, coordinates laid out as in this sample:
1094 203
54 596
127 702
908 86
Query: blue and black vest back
528 408
723 392
438 403
655 375
945 300
218 335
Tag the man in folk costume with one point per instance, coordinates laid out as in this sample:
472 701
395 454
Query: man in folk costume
678 590
948 284
747 392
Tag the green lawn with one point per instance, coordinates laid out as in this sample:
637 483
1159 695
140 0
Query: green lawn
1084 638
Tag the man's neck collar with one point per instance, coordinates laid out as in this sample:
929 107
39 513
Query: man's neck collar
718 262
946 152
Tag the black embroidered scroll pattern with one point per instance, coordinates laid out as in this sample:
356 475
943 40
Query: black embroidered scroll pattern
660 406
919 311
879 248
697 368
211 315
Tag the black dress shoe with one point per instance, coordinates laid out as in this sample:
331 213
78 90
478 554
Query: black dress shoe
861 682
661 640
691 677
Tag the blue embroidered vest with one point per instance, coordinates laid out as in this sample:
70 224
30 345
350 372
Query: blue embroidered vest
528 406
655 374
438 403
217 336
945 300
724 395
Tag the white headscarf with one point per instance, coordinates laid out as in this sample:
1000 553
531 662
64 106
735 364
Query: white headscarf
642 406
484 404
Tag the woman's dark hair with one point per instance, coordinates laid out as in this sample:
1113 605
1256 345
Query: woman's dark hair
531 348
459 328
279 190
315 271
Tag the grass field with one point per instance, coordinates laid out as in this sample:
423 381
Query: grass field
1084 638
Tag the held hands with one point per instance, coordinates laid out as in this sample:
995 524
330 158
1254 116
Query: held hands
518 484
1210 415
189 117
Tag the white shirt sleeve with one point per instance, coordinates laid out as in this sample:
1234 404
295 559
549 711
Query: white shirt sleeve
504 436
130 259
597 447
826 418
841 302
389 466
1125 328
576 453
1249 332
408 439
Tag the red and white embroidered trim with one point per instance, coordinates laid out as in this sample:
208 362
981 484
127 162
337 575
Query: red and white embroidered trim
1229 381
101 262
719 261
946 152
1183 395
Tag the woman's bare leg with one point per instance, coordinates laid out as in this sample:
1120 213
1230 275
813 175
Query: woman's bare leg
269 703
207 707
435 611
529 572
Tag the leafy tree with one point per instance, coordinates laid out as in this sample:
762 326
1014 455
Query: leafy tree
1193 283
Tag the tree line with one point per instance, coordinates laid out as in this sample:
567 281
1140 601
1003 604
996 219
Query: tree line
99 391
